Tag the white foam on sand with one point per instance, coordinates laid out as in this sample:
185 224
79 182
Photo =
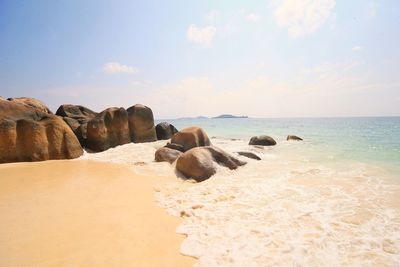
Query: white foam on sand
281 211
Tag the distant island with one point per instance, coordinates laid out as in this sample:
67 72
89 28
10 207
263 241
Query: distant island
192 118
229 116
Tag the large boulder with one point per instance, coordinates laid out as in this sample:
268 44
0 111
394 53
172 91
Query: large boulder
191 137
293 137
108 129
141 124
262 140
32 103
199 163
166 154
165 131
28 134
77 118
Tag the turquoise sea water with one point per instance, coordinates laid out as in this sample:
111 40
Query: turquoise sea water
370 140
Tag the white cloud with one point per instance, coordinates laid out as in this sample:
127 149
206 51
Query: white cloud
212 15
115 67
357 48
200 35
302 17
253 17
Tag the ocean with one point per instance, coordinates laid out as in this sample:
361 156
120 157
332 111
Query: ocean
330 200
371 140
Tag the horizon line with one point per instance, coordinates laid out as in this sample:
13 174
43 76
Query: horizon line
305 117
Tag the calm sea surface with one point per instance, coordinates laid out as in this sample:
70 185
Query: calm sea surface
372 140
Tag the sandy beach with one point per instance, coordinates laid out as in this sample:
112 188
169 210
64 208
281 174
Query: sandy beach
84 213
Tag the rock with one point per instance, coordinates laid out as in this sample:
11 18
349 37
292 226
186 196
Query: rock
175 146
141 124
27 133
191 137
167 154
262 140
165 131
199 162
108 129
78 129
32 103
249 155
293 137
77 118
75 112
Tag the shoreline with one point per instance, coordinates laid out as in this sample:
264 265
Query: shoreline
84 213
335 205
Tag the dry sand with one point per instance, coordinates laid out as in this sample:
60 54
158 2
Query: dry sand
83 213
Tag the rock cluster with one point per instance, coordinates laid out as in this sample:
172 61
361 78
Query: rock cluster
111 127
200 159
29 131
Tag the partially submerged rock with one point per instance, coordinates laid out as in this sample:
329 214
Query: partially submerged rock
293 137
141 124
249 155
165 131
29 133
108 129
199 162
262 140
191 137
166 154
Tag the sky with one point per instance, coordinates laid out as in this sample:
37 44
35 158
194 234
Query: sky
287 58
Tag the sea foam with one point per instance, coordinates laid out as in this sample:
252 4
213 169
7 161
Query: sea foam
285 210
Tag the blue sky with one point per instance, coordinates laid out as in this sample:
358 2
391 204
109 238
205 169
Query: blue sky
286 58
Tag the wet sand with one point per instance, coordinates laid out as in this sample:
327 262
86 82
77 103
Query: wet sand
83 213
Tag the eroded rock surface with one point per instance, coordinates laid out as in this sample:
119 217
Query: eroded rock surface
141 124
77 118
108 129
30 133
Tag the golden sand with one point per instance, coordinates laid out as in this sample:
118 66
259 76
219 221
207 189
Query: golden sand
83 213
